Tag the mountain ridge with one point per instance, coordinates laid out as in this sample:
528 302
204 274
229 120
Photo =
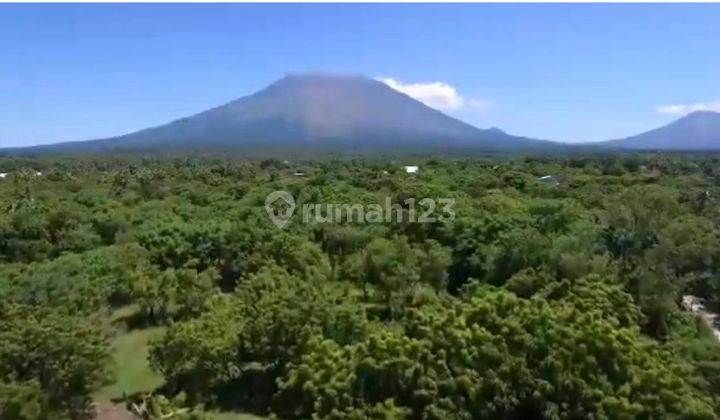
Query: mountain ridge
699 130
320 111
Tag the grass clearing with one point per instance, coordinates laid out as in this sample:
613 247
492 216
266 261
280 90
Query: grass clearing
131 370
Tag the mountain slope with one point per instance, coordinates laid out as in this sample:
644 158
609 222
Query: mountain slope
697 131
310 112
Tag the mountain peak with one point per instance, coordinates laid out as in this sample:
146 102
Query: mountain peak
317 111
699 130
323 75
320 77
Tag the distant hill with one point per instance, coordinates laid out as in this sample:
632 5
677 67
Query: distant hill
697 131
309 113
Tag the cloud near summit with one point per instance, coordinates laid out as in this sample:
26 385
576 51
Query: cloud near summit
438 95
684 109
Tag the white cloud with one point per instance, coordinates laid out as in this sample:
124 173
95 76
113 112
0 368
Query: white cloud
685 109
437 95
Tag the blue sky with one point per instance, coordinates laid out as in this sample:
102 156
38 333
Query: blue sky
561 72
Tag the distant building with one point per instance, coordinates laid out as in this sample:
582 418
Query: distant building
299 173
3 175
411 169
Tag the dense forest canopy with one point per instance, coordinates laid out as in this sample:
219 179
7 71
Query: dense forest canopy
556 291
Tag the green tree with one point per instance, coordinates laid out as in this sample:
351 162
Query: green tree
54 360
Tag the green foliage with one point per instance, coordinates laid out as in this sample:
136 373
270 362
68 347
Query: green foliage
540 299
49 362
74 283
266 321
24 401
177 294
494 356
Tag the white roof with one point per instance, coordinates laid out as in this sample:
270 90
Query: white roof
411 169
3 174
